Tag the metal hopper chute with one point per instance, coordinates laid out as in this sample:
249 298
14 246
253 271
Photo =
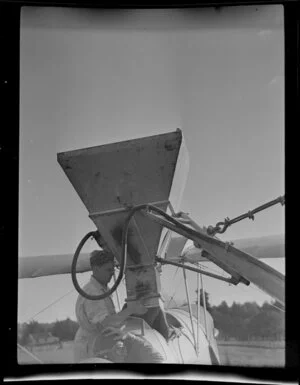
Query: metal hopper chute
127 188
111 179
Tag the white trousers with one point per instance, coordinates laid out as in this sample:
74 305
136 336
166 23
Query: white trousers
82 345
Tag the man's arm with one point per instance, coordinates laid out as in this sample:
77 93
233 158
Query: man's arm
119 318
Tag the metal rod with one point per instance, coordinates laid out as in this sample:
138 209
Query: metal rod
198 313
250 214
164 242
172 209
189 305
204 305
229 280
28 352
117 294
269 204
142 327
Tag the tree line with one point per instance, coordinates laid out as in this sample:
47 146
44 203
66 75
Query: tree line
65 330
247 321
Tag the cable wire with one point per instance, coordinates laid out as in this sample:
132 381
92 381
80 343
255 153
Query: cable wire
189 306
52 303
31 354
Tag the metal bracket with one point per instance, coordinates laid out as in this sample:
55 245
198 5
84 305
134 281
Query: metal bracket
124 209
241 265
236 276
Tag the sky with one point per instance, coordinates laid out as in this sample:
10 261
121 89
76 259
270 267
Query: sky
89 78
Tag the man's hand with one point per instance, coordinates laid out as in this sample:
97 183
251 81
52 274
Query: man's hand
118 333
118 319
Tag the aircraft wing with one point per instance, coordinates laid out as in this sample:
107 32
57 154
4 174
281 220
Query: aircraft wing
179 248
271 246
43 265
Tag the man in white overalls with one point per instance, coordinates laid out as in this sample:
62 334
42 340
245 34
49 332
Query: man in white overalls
94 315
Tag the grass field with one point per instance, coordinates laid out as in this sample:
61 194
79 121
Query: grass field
233 353
252 353
48 355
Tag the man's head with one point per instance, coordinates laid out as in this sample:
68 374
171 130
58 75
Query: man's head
102 264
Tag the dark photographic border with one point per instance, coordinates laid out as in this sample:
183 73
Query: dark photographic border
10 12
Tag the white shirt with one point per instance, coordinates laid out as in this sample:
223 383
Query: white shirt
91 312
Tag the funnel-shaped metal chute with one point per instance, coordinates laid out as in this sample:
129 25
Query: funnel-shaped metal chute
112 178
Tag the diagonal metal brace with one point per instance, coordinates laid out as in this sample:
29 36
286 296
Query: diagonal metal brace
232 279
186 232
234 261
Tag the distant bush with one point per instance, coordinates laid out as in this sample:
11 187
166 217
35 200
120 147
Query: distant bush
64 330
249 321
32 327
